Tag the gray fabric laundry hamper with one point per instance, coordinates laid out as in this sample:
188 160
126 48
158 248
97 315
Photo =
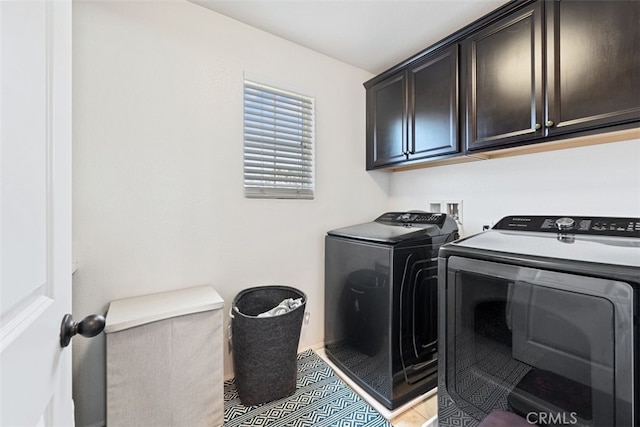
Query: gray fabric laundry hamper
265 348
164 360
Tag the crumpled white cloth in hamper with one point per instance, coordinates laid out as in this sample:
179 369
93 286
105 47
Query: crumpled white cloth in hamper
284 307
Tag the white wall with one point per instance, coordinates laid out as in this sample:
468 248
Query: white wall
158 196
596 180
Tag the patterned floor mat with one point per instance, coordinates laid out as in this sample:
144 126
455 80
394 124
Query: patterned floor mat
321 400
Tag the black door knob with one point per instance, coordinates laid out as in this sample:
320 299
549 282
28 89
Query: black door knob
88 327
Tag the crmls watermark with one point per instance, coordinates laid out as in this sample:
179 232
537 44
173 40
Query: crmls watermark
557 418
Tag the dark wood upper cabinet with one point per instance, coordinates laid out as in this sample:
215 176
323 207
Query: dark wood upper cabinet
528 72
593 64
433 105
590 60
503 69
387 122
414 114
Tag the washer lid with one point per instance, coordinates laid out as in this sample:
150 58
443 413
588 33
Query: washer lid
395 227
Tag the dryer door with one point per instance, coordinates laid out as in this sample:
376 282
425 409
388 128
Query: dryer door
552 347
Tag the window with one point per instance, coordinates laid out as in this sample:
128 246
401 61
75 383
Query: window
278 143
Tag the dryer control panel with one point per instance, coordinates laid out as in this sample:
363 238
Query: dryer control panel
598 226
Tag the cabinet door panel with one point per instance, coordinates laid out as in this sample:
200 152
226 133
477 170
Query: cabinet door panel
434 106
387 126
504 80
593 63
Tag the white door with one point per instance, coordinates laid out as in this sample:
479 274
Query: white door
35 213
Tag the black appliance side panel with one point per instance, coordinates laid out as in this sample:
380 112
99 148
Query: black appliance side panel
357 312
414 321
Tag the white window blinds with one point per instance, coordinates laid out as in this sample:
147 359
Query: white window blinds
278 143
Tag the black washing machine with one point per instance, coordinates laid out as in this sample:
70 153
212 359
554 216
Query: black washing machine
381 302
539 324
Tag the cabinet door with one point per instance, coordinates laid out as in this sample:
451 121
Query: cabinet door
593 64
387 122
433 105
503 67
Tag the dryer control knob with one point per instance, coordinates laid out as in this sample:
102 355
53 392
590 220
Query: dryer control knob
565 223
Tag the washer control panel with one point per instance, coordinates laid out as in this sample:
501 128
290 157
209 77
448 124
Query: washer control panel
603 226
414 218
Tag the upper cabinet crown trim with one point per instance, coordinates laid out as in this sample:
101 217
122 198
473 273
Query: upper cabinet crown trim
456 37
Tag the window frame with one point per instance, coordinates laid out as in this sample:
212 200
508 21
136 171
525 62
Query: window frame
278 143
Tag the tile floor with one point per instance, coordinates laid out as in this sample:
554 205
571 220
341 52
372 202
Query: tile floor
413 414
